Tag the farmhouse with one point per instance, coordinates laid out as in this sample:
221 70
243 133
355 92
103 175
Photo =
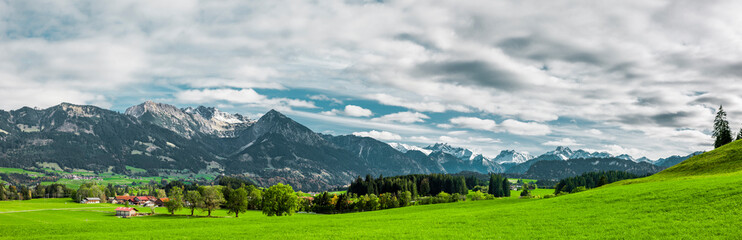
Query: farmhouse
126 212
143 200
161 201
124 199
90 200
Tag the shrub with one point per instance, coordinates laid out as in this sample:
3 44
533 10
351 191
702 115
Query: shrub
475 196
579 189
525 193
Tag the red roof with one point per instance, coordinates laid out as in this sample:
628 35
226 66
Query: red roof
144 198
164 199
124 197
126 209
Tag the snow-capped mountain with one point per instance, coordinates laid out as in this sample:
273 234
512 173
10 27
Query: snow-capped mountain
190 121
626 157
585 154
512 156
404 148
461 153
560 153
564 153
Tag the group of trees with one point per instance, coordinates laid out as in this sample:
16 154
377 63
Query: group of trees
417 185
11 192
277 200
350 202
591 180
499 186
722 132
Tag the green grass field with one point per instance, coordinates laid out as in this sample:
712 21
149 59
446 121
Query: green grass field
107 178
694 200
21 171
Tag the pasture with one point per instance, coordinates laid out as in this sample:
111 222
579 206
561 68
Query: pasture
690 201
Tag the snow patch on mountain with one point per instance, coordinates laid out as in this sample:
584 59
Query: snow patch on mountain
460 153
404 148
512 156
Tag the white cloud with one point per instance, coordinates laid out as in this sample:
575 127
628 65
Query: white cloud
351 110
426 106
379 135
403 117
594 132
474 123
322 97
618 150
242 96
567 142
525 128
444 125
649 77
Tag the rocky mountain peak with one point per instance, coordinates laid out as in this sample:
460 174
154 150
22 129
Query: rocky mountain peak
190 121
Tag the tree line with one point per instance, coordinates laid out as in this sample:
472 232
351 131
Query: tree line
591 180
416 184
55 190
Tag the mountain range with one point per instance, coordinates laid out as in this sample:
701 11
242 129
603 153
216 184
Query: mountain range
164 139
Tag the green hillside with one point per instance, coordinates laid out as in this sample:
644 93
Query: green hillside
695 200
726 159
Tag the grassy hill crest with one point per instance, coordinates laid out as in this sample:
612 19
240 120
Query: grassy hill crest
725 159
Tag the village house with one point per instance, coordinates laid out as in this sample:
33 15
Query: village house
126 212
90 201
142 200
161 202
124 199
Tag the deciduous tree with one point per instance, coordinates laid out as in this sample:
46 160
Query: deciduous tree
237 202
175 202
194 200
279 200
211 199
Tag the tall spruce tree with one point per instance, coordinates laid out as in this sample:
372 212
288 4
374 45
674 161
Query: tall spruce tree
722 134
739 134
491 187
506 187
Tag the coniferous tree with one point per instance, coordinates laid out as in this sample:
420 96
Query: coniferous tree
603 181
491 187
424 187
739 134
722 134
506 187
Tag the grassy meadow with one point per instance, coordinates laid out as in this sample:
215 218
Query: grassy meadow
693 200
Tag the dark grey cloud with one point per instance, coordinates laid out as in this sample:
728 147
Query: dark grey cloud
679 120
471 72
675 119
636 66
417 39
542 48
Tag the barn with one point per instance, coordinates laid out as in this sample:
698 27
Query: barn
90 200
126 212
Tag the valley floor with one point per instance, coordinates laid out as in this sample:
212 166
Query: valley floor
686 208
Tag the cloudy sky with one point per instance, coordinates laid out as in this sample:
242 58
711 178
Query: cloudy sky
641 77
